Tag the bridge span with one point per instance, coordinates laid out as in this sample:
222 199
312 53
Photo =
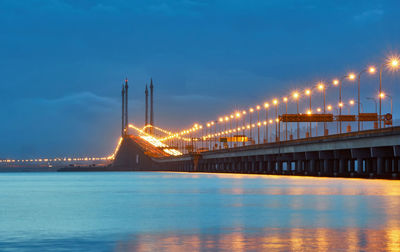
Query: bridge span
365 154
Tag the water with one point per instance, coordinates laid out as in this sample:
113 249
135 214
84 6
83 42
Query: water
196 212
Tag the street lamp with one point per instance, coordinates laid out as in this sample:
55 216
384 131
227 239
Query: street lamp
266 106
393 63
296 97
285 100
308 93
244 124
383 95
237 115
251 129
336 82
275 102
370 70
321 87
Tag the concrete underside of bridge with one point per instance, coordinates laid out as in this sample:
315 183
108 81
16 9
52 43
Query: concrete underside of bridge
365 154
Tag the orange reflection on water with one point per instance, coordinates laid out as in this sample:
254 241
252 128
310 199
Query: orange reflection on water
273 239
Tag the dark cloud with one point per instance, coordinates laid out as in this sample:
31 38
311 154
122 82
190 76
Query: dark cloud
62 62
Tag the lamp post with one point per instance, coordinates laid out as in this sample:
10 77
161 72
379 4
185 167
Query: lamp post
296 97
285 100
321 87
336 82
370 70
382 96
251 110
237 126
266 106
308 92
244 124
275 102
394 63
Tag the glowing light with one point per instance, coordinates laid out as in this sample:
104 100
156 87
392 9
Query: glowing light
275 102
382 95
318 109
295 95
258 107
351 102
270 121
321 86
335 82
393 62
266 105
309 112
352 76
371 70
237 115
285 99
221 119
251 110
244 112
308 92
340 104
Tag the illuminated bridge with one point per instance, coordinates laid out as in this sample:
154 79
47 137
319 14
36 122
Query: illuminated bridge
314 131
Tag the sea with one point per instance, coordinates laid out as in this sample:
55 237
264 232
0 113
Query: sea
166 211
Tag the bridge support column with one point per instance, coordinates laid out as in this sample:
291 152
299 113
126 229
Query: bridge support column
342 164
269 166
379 166
279 167
326 167
360 166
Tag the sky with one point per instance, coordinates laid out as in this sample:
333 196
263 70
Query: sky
62 62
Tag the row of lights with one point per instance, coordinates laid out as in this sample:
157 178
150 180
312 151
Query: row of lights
393 63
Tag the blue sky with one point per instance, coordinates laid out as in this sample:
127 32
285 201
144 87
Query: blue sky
62 62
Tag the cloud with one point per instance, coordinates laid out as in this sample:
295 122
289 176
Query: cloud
369 16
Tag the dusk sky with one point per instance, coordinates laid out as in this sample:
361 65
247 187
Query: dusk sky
62 62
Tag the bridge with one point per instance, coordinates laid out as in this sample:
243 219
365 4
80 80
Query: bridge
257 140
312 131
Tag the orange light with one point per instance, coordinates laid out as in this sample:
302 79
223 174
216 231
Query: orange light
351 102
371 70
340 104
221 119
352 76
258 107
237 115
382 95
318 109
308 92
285 99
309 112
394 62
295 95
335 82
270 121
275 101
321 86
266 105
244 112
251 110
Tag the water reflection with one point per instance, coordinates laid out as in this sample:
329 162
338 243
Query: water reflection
197 212
271 239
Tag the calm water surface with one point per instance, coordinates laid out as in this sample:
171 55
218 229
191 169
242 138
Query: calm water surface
196 212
